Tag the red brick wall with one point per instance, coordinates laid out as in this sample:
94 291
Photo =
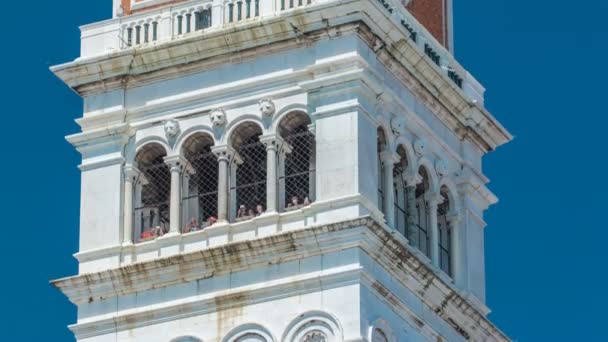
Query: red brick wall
432 14
126 5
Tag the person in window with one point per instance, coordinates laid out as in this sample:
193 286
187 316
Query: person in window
211 220
259 210
295 202
250 213
306 201
242 212
192 226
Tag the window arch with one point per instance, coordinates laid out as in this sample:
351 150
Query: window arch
249 333
379 336
422 229
314 326
297 168
248 181
186 339
152 193
445 232
382 147
400 189
199 183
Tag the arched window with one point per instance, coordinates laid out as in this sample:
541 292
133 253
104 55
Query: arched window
400 189
199 184
381 148
423 214
445 232
248 187
151 202
297 170
251 337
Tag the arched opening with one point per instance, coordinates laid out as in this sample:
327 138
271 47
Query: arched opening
400 190
445 232
423 215
381 145
379 336
199 184
152 193
297 168
248 181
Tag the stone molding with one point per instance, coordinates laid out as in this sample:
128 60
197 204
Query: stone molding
364 233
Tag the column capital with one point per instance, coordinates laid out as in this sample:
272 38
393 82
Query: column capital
273 141
412 179
433 198
176 162
226 153
454 217
389 157
131 172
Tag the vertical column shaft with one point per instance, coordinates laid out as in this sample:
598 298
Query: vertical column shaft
222 195
128 211
176 164
389 194
412 215
271 178
434 229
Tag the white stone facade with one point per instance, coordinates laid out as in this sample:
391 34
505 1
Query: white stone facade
339 266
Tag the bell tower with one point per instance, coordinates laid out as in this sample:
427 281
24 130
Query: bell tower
279 171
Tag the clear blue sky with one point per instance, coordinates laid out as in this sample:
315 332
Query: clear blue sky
543 63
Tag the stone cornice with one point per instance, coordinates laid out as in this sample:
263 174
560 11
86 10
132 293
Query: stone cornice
364 233
470 120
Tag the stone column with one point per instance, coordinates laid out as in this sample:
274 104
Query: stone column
176 164
388 160
131 174
273 144
456 253
411 180
433 200
225 155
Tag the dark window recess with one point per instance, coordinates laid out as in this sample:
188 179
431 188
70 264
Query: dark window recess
146 33
154 31
137 34
180 20
247 9
230 12
129 36
413 34
434 56
455 77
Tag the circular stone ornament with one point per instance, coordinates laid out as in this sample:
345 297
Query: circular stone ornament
441 167
419 147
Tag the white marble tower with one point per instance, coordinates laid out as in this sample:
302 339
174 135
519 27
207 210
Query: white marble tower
279 171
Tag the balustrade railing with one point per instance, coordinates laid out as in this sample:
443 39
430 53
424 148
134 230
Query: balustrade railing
173 22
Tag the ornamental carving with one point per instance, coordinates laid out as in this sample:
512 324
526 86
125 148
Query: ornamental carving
314 336
267 107
441 167
419 147
171 128
218 117
397 125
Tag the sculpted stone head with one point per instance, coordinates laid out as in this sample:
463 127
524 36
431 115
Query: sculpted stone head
171 128
218 117
267 107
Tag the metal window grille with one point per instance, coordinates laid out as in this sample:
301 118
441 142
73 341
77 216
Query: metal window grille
230 12
151 215
200 191
250 185
445 236
180 20
239 10
257 8
247 9
300 166
205 18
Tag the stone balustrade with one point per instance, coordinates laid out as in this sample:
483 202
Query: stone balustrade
194 17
